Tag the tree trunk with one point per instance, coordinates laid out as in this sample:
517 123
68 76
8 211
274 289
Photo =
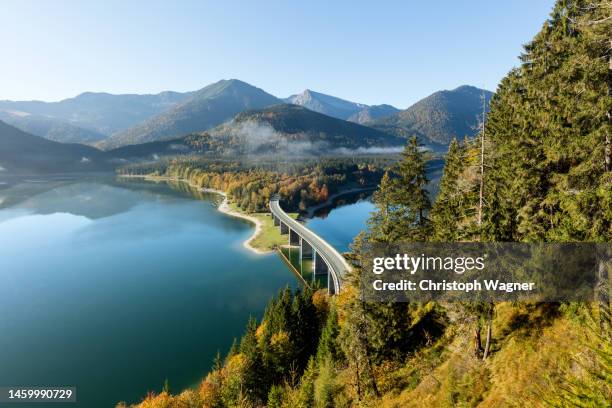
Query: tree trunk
482 159
362 341
489 333
357 380
608 144
603 291
477 341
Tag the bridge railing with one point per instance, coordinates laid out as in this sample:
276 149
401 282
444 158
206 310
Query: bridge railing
326 260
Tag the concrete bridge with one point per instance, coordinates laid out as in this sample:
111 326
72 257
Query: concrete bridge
326 260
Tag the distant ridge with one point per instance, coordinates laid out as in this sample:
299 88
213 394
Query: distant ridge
298 128
59 130
370 113
326 104
100 112
439 117
21 152
203 110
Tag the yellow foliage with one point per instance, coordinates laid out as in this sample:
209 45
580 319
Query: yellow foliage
280 340
320 300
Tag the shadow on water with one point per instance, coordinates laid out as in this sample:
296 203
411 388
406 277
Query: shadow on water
303 268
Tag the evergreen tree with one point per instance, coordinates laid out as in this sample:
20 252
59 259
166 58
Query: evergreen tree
306 393
276 396
254 381
402 201
446 211
410 195
328 348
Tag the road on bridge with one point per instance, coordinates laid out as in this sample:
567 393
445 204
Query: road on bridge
336 263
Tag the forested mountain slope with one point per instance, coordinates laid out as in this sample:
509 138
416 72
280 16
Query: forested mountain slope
21 152
440 117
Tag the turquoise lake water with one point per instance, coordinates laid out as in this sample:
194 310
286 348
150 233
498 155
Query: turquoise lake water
115 286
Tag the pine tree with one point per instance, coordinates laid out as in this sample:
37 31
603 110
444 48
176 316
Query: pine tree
402 201
328 348
276 396
410 195
446 211
306 392
383 221
254 381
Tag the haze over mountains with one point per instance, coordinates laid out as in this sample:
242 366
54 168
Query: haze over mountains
22 152
204 109
301 129
51 128
340 108
231 117
101 112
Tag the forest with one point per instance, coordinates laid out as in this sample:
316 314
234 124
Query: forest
539 170
250 184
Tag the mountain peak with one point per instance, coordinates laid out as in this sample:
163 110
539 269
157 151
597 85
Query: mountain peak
439 117
326 104
206 108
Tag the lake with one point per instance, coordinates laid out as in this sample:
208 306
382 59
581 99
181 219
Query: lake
115 286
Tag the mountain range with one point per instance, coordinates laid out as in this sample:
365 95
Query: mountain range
290 130
204 109
59 130
218 118
340 108
102 113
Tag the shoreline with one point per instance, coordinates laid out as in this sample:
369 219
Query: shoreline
223 207
330 200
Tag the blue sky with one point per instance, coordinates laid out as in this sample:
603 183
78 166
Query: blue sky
367 51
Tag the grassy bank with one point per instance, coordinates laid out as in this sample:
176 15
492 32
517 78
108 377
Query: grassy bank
268 236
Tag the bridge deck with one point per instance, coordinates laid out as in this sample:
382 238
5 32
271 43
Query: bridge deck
334 260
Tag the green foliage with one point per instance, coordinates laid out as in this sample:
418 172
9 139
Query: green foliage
545 177
325 388
306 391
250 184
328 347
276 396
402 201
591 384
253 375
447 208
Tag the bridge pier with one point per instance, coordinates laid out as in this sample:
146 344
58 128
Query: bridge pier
325 260
319 265
319 268
306 251
294 238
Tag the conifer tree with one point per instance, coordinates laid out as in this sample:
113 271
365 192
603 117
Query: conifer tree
253 381
446 211
410 194
306 392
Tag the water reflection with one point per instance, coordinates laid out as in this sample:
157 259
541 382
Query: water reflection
116 285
